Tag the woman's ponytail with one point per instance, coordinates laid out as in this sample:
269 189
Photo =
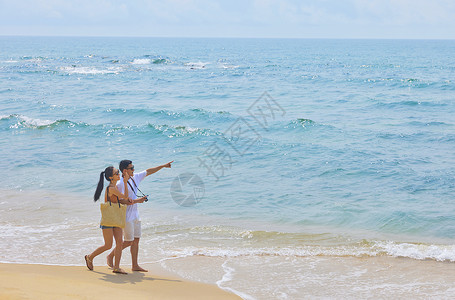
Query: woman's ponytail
107 173
99 188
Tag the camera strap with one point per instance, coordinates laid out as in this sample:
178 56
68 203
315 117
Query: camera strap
136 188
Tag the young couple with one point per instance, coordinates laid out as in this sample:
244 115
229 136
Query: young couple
125 192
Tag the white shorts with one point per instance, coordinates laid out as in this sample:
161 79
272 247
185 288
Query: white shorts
132 230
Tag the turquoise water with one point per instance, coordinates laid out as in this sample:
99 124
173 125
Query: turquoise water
358 153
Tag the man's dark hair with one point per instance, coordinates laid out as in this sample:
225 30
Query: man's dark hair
124 164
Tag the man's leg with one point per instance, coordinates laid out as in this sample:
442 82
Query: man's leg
134 254
135 246
110 256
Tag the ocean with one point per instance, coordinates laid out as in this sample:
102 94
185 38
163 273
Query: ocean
303 168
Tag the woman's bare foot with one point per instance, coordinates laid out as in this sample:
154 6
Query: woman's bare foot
139 269
110 261
89 262
119 271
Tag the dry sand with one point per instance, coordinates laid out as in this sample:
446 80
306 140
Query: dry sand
61 282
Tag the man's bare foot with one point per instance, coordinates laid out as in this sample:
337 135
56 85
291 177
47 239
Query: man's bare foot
139 269
110 261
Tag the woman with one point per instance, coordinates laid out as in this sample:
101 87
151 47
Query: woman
112 175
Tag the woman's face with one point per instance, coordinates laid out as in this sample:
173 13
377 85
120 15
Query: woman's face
115 175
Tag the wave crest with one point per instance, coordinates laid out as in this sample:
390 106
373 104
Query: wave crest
239 242
180 131
362 249
35 123
90 70
393 249
141 61
301 123
195 113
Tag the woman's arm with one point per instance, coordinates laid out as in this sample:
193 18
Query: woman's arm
122 198
125 201
126 177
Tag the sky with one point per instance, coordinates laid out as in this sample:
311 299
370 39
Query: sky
383 19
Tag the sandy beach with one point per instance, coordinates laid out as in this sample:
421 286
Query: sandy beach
20 281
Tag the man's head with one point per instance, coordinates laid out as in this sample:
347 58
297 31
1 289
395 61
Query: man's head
126 166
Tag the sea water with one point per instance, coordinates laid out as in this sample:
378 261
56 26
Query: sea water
308 154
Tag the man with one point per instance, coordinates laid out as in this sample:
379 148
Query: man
132 230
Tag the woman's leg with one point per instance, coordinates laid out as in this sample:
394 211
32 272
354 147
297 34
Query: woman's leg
110 256
118 235
108 234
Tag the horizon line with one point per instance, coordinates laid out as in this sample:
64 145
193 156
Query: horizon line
227 37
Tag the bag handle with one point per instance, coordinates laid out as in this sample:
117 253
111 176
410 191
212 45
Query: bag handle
109 198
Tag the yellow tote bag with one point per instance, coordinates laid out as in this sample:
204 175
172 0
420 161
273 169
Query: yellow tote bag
113 215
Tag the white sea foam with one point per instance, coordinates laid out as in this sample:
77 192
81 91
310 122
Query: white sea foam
196 65
414 251
226 66
227 277
91 70
141 61
173 131
36 122
273 251
31 122
35 229
418 251
35 60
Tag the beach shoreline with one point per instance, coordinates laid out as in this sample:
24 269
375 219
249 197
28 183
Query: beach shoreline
35 281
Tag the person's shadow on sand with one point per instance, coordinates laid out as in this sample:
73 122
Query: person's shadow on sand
131 278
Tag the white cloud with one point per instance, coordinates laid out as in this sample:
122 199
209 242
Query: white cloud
404 12
354 11
48 11
328 18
